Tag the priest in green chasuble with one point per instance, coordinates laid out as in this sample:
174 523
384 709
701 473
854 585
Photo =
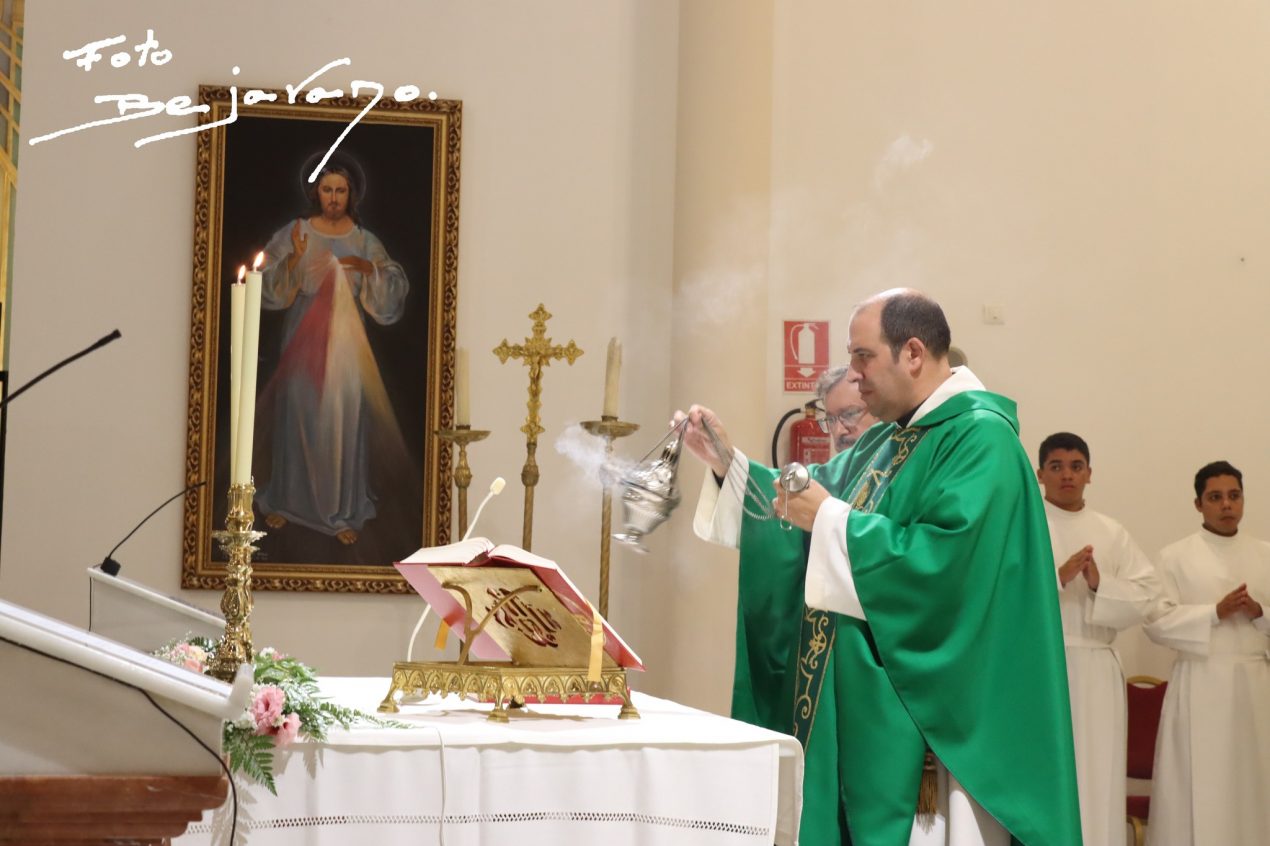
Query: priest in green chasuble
906 629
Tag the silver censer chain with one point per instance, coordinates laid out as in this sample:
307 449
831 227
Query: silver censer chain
794 478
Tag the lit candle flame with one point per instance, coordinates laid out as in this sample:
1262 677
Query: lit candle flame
242 272
260 259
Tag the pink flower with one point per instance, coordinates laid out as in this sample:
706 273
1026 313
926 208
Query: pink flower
288 731
186 655
266 708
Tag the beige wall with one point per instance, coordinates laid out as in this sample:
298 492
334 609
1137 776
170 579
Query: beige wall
1098 171
722 211
687 175
568 162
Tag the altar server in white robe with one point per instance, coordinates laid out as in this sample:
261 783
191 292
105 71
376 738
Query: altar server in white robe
1212 758
1106 584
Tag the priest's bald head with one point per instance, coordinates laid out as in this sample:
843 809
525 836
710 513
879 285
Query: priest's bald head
898 341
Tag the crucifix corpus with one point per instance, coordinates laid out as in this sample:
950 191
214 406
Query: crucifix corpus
536 352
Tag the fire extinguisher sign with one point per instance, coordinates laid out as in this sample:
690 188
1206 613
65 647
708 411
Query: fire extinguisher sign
806 354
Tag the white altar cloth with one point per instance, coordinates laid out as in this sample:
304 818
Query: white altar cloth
555 774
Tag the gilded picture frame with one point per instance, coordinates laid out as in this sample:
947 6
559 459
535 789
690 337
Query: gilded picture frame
357 336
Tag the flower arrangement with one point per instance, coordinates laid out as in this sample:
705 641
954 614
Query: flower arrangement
284 706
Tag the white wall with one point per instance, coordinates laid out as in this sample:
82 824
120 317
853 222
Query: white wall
567 198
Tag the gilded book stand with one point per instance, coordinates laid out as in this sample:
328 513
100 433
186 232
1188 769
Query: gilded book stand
533 635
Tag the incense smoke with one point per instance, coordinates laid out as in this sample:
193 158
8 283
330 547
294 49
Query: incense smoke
586 451
902 154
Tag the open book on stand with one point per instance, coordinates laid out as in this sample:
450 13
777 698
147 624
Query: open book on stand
528 634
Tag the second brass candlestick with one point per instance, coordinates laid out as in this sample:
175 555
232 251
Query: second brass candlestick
462 435
609 428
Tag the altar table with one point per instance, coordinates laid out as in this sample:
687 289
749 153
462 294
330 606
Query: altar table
556 774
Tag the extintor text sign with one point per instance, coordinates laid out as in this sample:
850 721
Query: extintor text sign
806 354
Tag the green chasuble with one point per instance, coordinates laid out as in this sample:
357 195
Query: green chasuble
962 650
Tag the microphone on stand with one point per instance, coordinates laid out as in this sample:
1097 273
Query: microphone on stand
109 565
96 345
495 488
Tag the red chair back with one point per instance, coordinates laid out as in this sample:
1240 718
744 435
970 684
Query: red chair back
1145 697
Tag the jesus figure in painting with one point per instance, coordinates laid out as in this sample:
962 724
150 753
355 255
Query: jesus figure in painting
326 398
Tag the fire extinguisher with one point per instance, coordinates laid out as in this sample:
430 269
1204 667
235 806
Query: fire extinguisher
807 443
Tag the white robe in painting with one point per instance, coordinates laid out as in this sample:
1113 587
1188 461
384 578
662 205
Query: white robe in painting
1127 592
1211 782
327 398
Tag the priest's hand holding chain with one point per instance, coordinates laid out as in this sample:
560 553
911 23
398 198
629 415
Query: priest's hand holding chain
799 508
699 442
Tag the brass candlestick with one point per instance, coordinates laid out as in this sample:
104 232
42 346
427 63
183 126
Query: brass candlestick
235 605
609 428
537 351
462 435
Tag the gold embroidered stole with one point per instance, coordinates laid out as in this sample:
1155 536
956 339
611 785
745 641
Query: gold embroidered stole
817 631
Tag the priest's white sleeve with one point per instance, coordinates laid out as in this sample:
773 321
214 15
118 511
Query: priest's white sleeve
720 508
1186 628
1128 595
829 584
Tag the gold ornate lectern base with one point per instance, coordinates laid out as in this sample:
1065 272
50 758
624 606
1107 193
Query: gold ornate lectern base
504 684
558 647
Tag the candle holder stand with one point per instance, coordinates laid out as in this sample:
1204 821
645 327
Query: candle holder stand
610 429
462 435
237 541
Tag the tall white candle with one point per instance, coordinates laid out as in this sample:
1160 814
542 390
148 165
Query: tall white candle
237 292
612 370
251 356
462 411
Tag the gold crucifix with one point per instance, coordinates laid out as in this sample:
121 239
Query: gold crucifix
537 351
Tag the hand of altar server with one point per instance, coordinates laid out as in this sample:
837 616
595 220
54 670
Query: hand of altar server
799 508
1091 574
1250 606
1075 565
1253 608
1234 602
699 443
